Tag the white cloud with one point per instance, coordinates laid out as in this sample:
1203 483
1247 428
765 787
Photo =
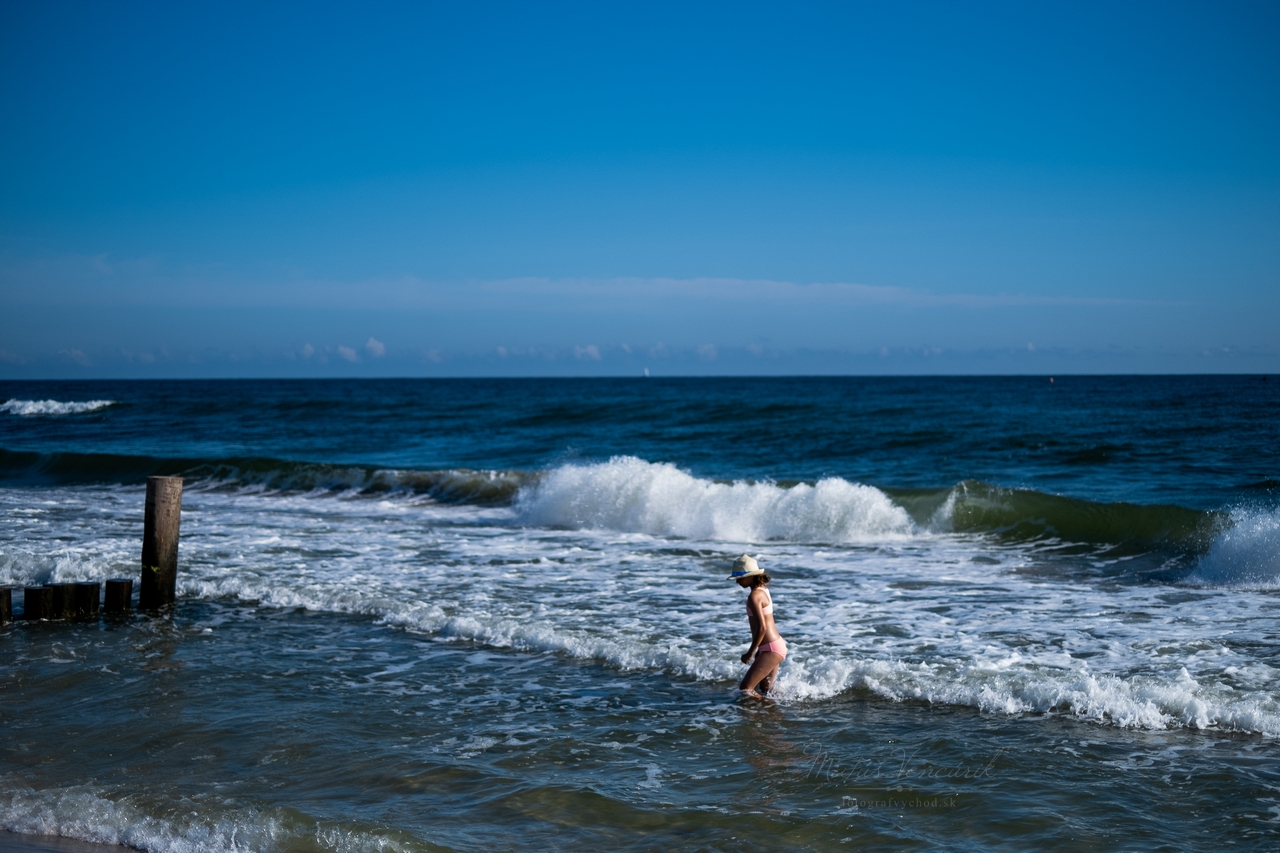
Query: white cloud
349 354
708 352
308 350
375 347
588 352
75 355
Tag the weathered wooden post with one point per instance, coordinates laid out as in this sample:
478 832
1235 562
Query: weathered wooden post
6 605
119 595
86 600
35 602
160 543
62 600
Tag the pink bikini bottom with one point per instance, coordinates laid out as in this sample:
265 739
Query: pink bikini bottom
778 647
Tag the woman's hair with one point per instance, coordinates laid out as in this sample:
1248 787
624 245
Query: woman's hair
760 580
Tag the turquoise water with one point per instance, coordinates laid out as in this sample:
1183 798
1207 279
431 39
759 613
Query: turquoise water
492 615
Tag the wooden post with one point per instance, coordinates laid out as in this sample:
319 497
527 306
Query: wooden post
86 598
119 595
62 600
35 602
6 605
160 543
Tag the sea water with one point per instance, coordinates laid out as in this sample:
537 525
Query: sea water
1022 614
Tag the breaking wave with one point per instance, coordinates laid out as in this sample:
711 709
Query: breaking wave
632 495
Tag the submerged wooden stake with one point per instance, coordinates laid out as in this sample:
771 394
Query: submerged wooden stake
35 602
160 543
86 600
119 595
6 605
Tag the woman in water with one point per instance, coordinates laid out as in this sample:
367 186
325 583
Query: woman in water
767 646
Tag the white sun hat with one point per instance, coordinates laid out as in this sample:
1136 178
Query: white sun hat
745 567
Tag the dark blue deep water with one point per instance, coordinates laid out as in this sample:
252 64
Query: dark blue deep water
1195 441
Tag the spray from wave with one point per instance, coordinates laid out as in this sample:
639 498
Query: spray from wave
631 495
28 408
1245 555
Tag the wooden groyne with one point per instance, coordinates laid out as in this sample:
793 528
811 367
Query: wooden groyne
86 601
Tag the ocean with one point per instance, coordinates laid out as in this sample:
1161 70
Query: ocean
1023 613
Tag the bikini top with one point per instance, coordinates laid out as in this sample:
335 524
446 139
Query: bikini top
768 608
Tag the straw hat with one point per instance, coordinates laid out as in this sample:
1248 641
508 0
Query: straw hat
745 567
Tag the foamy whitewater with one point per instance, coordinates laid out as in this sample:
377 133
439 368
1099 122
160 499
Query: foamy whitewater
52 407
624 562
500 648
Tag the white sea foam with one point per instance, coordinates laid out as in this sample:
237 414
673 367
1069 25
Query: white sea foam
817 670
52 407
909 616
1245 555
632 495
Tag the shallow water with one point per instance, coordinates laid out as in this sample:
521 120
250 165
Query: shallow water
494 615
354 736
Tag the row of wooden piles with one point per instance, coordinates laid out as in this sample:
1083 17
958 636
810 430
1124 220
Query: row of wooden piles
81 602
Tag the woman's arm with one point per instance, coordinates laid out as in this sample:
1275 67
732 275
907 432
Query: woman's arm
756 611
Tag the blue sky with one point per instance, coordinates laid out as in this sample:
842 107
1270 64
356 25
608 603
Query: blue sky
582 189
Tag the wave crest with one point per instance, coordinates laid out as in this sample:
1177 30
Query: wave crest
634 496
1026 515
455 485
27 408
